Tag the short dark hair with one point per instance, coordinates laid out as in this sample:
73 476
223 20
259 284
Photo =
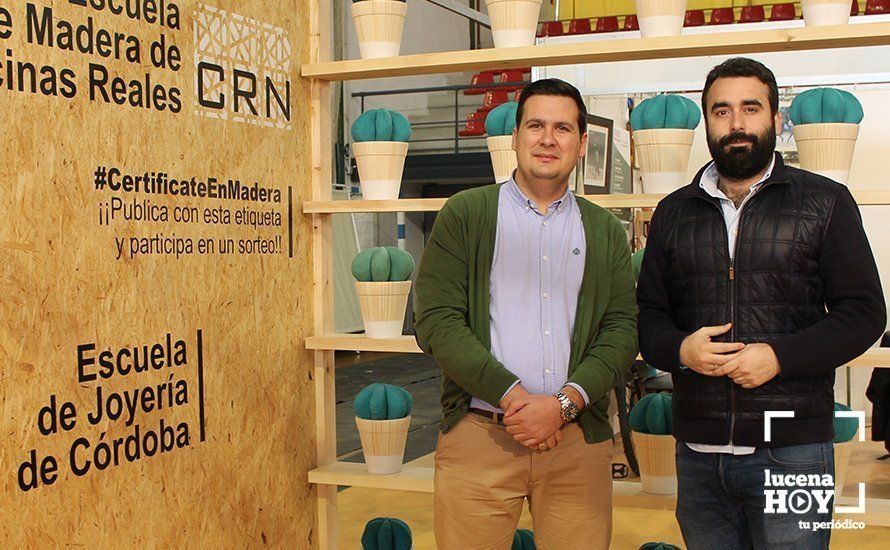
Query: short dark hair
557 87
742 67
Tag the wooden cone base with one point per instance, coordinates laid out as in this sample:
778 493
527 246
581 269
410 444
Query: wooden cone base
378 25
513 22
817 13
380 166
663 156
661 17
383 307
656 455
383 442
827 148
503 157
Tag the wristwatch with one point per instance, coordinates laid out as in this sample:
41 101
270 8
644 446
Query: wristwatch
568 411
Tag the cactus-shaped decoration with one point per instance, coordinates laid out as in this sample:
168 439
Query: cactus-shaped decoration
658 546
382 264
665 111
383 402
381 125
501 121
844 427
822 105
386 534
523 539
636 261
652 415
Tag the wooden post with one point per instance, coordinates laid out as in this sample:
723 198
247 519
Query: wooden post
322 254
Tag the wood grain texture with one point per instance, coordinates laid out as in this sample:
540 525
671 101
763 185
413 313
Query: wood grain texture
628 49
245 485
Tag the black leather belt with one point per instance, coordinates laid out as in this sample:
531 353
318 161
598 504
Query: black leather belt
493 416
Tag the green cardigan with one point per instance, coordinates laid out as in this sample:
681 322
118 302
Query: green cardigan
452 316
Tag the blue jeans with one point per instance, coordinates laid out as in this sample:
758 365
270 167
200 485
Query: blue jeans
721 498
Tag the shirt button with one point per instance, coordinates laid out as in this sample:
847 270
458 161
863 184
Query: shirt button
545 224
546 333
546 295
544 258
546 371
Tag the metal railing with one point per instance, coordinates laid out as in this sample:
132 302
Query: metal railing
455 121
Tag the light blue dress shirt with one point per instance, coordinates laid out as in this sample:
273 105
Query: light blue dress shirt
536 276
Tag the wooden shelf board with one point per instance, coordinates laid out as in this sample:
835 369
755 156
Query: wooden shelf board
411 478
874 357
623 49
625 494
871 197
433 205
360 342
397 205
866 197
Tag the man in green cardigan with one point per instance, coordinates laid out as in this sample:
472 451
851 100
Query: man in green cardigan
525 297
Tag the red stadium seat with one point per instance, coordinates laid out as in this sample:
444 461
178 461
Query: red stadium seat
782 12
482 78
551 28
873 7
631 23
722 16
492 99
475 125
607 24
752 14
579 26
694 18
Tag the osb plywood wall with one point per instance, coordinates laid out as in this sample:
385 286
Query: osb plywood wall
155 274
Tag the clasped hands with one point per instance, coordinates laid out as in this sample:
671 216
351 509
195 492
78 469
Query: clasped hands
534 420
748 365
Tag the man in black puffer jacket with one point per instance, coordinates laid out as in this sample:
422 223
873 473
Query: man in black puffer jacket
757 283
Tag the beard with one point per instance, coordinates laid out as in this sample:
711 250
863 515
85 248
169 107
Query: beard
739 162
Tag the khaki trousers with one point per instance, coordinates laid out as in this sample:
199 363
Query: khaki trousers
483 475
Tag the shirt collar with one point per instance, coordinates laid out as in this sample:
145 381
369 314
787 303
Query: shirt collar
517 195
710 177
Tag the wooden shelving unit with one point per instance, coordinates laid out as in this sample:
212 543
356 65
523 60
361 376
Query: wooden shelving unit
869 197
668 47
318 74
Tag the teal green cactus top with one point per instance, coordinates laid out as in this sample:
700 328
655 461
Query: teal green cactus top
383 402
665 111
381 125
844 427
382 264
386 534
652 415
523 539
822 105
636 260
501 121
658 546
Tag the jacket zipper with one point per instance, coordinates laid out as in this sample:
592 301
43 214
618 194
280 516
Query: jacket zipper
732 293
732 315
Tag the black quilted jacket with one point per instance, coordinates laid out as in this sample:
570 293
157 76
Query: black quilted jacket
803 280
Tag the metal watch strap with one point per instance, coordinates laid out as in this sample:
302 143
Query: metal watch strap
567 408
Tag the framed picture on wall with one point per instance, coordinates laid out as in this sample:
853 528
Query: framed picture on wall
596 166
